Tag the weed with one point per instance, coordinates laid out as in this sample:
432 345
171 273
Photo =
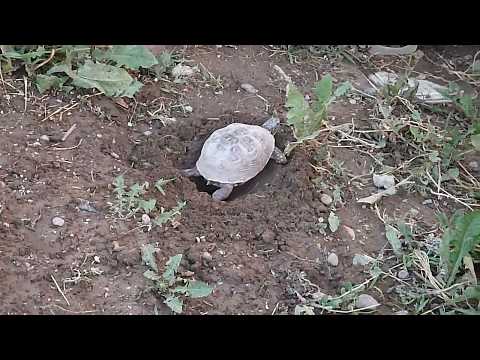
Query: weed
169 285
81 66
130 200
307 120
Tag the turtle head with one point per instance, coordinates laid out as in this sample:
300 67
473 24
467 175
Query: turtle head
271 124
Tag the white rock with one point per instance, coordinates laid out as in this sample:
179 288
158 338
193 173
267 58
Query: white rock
249 88
45 138
383 181
58 221
182 70
188 108
326 199
145 219
402 312
365 300
332 259
147 133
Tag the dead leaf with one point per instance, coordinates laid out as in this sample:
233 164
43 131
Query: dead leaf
122 103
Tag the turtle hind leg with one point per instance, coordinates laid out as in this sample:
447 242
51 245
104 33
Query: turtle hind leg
223 193
190 172
278 156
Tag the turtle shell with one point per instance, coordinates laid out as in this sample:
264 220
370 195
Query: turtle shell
236 153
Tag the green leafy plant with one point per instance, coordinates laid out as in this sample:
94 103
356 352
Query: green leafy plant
166 216
161 183
307 119
129 200
461 240
81 66
169 285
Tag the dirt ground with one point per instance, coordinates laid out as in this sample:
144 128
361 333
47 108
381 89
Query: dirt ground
260 241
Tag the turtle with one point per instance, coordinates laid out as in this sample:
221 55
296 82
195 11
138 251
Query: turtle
235 154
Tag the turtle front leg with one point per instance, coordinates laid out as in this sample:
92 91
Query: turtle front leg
223 193
191 172
278 156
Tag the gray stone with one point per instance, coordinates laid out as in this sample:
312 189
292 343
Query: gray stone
365 300
249 88
403 274
332 259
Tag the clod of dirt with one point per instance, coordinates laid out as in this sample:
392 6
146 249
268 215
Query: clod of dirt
116 246
207 256
249 88
365 300
268 236
362 260
403 274
383 181
85 205
129 258
473 165
332 259
58 221
326 199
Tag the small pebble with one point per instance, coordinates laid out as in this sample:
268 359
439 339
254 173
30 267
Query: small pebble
402 274
402 312
326 199
249 88
427 202
207 256
332 259
383 181
116 246
45 138
2 184
58 221
188 108
352 101
147 133
145 219
99 136
365 300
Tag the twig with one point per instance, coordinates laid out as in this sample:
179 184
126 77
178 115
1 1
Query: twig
52 54
69 148
60 290
67 134
25 82
447 194
3 81
282 73
65 108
